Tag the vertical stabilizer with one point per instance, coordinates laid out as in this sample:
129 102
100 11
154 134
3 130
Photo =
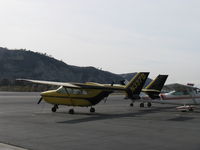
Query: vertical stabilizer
154 88
134 87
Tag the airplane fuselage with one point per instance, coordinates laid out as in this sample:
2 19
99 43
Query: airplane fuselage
74 97
172 99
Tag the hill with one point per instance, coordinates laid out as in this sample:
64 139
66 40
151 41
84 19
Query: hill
27 64
33 65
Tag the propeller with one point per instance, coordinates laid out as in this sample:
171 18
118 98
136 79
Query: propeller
105 99
39 100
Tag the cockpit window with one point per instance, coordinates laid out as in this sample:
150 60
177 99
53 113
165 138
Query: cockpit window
64 90
77 91
180 93
198 91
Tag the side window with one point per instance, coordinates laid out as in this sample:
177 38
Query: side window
181 93
79 92
69 90
177 93
84 92
65 90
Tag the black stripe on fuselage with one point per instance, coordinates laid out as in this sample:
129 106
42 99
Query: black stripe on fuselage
95 100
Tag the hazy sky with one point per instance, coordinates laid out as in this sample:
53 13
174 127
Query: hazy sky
160 36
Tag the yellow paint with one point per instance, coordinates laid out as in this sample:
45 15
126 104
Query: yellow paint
67 101
81 94
54 97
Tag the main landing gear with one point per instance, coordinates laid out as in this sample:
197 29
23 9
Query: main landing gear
131 104
141 104
71 111
191 109
54 108
148 104
92 110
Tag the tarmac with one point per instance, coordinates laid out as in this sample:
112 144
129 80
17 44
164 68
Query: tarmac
25 125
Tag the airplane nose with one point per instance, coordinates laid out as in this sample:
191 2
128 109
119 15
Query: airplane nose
43 94
47 93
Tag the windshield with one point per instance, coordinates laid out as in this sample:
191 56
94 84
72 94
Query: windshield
179 93
62 90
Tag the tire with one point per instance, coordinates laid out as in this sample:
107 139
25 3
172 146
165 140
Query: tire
149 104
141 104
53 109
71 111
191 109
92 110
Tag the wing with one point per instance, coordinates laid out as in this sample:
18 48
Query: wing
93 85
51 83
179 87
90 85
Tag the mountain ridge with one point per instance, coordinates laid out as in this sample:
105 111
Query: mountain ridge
21 63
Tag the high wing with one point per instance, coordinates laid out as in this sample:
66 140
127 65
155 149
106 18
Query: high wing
91 85
133 88
51 83
179 87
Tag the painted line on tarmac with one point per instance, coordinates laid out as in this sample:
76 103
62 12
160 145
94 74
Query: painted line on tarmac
10 147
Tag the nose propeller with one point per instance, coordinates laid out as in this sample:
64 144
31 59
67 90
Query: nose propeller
39 100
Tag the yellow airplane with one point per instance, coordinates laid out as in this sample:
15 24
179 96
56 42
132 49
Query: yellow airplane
89 93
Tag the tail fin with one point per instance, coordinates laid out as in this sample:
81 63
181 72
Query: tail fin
134 87
154 88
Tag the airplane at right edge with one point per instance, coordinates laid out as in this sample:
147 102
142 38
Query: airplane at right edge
184 95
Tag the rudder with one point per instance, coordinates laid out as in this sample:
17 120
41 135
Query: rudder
134 87
155 87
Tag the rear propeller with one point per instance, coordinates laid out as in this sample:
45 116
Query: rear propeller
39 100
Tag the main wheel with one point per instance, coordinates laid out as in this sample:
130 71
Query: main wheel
53 109
191 109
149 104
131 104
71 111
92 110
141 104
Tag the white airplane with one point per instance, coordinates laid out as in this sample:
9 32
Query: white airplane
184 95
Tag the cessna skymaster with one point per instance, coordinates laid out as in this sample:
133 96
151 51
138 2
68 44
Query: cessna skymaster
87 94
184 95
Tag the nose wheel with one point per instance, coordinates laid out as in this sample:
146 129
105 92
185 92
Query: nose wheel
92 110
